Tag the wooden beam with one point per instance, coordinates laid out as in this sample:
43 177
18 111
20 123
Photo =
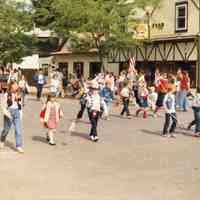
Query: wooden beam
195 4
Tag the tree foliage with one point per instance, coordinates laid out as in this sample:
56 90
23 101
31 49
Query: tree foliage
15 20
90 24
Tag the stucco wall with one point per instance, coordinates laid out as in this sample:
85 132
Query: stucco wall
166 14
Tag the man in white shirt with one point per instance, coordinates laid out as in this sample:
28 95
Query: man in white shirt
40 84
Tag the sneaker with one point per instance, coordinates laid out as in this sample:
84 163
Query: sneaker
92 137
164 135
52 143
96 139
173 135
169 135
129 117
2 145
20 150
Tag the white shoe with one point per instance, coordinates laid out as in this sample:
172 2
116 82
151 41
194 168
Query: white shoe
2 145
173 135
168 135
52 143
92 138
20 150
96 138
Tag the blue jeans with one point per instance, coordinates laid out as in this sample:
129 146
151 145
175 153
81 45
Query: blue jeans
23 95
197 119
16 122
178 99
183 100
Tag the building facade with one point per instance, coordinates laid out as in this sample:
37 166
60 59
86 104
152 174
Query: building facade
174 40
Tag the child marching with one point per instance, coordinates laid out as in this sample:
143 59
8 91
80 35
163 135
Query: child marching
152 99
169 105
107 98
51 116
125 95
94 108
143 100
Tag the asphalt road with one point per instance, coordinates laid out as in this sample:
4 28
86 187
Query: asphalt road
130 162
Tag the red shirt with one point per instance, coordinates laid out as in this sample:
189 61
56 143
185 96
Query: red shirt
163 85
184 84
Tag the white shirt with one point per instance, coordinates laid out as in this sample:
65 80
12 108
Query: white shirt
169 100
196 100
40 79
94 102
125 92
54 85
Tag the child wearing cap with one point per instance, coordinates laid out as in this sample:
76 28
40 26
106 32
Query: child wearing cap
94 108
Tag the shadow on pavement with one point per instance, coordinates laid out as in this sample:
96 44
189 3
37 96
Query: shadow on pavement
119 116
39 139
151 132
81 135
10 145
186 132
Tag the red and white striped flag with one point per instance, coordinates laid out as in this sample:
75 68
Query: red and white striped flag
131 64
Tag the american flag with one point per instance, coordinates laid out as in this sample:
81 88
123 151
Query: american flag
131 64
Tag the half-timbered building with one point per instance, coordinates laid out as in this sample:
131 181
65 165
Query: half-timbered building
174 41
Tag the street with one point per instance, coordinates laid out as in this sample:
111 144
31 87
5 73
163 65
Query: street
131 161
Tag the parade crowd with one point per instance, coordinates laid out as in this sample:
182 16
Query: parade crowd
165 92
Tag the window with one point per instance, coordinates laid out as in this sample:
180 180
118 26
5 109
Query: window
181 17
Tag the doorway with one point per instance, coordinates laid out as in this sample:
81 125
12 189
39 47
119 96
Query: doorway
95 68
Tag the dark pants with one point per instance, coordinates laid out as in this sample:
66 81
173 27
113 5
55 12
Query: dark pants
196 111
168 119
94 117
80 113
136 96
126 106
39 90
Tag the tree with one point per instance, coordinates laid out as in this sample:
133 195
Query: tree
99 25
15 21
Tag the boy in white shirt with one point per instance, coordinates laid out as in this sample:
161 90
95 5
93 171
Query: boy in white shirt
169 104
125 94
94 107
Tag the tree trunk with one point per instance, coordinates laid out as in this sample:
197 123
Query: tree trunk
102 62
